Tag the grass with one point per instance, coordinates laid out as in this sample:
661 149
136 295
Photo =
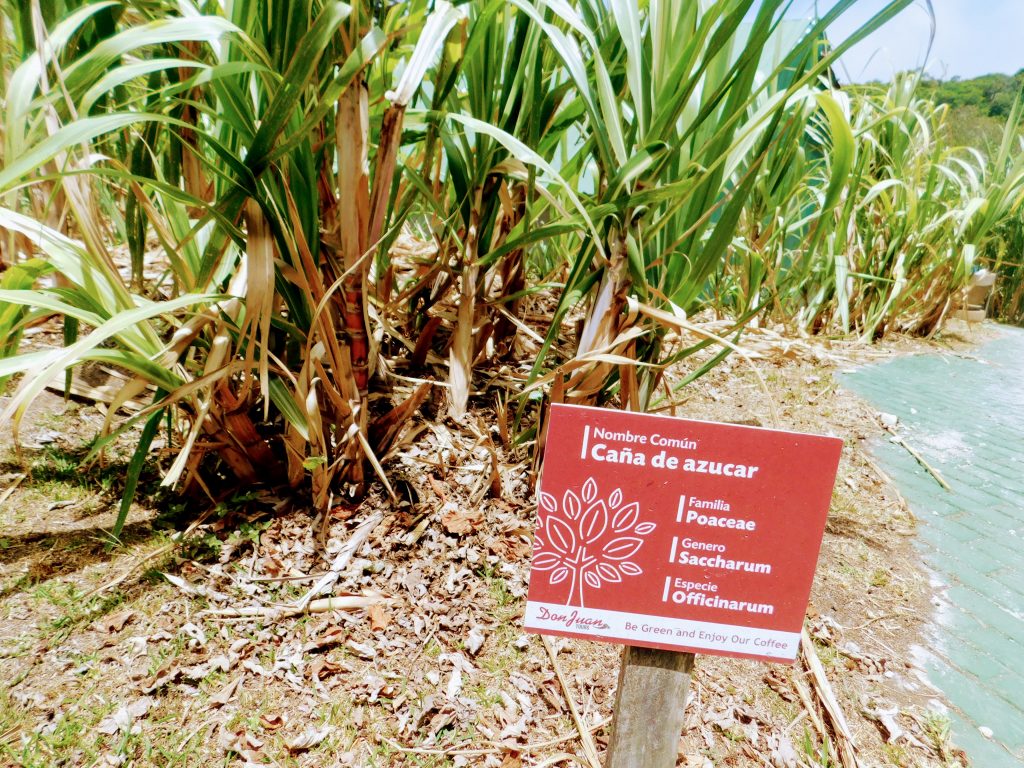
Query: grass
64 483
938 729
86 698
880 577
55 604
69 736
499 590
61 464
819 754
898 756
76 613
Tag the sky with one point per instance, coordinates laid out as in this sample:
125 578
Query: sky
972 37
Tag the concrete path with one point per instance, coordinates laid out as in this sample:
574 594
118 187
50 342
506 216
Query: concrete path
965 415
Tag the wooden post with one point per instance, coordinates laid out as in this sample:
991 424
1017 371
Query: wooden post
649 704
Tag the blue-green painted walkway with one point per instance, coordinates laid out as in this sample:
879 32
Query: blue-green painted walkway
966 418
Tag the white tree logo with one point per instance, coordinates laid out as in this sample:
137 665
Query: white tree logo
588 540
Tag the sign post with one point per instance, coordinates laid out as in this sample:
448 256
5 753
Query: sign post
679 536
650 705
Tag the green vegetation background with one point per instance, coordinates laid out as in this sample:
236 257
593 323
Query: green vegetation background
979 105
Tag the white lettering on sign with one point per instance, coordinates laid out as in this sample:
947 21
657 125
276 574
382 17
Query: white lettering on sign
702 467
717 561
701 586
683 597
600 433
606 451
601 452
693 516
719 505
704 546
685 444
685 558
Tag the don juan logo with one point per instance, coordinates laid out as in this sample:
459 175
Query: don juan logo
587 541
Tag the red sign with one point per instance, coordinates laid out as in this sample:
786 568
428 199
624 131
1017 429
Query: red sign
678 534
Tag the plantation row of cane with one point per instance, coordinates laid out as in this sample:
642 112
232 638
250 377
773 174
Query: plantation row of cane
282 219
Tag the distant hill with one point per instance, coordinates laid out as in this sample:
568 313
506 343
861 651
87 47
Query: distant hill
992 95
980 105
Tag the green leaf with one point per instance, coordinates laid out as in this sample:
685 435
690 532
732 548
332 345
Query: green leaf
293 82
135 466
81 131
312 462
285 403
57 360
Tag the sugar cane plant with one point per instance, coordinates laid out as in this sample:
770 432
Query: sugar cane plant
238 153
915 216
289 222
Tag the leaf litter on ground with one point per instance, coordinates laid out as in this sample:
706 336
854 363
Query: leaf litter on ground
415 640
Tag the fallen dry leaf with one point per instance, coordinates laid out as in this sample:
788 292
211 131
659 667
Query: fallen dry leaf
331 636
515 729
511 548
308 739
256 668
322 667
195 633
124 718
379 617
115 622
239 742
454 684
163 677
197 590
363 650
272 721
227 693
784 754
437 488
217 663
462 521
343 511
474 640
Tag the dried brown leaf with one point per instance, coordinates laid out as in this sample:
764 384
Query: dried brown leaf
124 718
271 721
163 677
322 667
240 742
363 650
474 640
115 622
331 636
462 521
380 617
227 693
